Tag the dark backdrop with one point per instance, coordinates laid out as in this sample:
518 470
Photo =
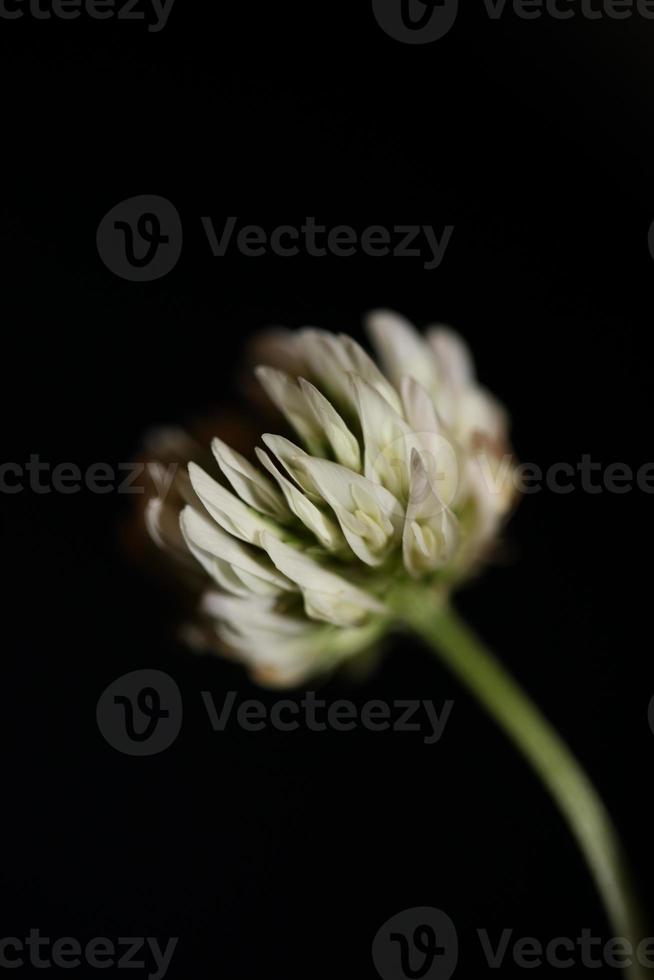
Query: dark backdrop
281 855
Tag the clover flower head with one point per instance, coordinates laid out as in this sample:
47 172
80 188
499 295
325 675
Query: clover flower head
391 472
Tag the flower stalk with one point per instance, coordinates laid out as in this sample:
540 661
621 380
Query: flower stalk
436 622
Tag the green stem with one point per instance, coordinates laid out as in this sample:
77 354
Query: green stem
532 734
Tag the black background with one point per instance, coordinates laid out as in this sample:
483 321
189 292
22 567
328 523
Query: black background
281 855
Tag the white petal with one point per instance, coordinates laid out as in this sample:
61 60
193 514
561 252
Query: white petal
454 357
419 409
479 413
291 456
278 660
155 522
363 365
327 362
231 513
162 524
401 349
370 517
318 523
252 614
331 359
231 564
248 482
343 443
387 439
285 393
430 535
490 486
282 650
327 596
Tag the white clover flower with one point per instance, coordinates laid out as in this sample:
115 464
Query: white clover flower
394 473
395 494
